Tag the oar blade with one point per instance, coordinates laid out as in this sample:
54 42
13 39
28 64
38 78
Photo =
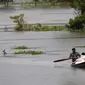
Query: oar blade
60 60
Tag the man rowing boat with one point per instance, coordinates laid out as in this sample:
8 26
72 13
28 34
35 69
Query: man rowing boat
74 55
4 52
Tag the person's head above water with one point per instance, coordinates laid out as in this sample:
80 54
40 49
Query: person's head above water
73 50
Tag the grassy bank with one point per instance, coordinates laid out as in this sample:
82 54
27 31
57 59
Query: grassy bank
29 52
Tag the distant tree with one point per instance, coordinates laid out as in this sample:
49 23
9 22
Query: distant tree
79 21
6 2
35 2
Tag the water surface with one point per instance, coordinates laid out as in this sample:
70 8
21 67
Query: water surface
40 69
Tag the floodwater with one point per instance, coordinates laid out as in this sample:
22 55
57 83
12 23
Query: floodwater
40 69
43 16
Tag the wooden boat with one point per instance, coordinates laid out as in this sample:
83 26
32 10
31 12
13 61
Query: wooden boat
80 62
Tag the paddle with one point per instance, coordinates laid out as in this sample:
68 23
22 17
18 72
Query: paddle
59 60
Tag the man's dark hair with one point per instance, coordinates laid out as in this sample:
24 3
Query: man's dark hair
73 49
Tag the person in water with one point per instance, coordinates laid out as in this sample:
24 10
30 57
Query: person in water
4 52
74 55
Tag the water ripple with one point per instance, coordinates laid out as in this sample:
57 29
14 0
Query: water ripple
41 38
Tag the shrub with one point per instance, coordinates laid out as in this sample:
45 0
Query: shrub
78 23
20 23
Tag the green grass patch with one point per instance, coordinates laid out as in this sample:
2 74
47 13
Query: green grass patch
51 28
80 46
21 47
35 27
29 52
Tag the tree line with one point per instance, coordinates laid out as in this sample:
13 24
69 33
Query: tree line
76 23
6 2
77 4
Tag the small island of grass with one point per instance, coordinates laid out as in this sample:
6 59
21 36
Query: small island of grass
21 47
33 27
29 52
79 46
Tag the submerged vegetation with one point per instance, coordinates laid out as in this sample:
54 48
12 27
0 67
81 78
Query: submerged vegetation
44 4
21 47
36 3
80 46
6 2
78 23
26 52
21 25
19 20
29 52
